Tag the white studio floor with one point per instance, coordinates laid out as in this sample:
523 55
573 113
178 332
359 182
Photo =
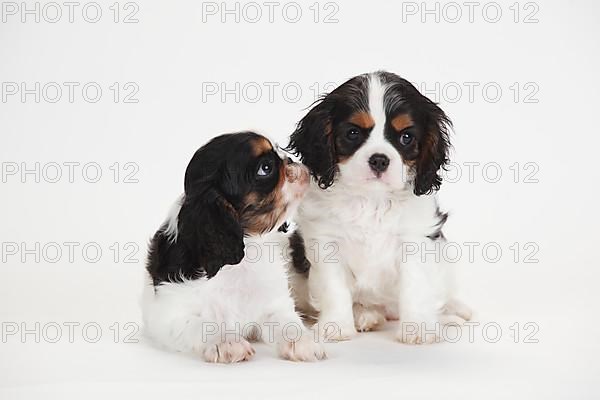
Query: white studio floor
563 363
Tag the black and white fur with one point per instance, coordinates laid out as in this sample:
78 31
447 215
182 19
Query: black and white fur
206 295
375 147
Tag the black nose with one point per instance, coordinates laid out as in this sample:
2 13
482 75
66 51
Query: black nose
379 162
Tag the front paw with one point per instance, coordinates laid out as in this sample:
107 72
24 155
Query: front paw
229 352
459 309
368 318
419 331
303 349
332 331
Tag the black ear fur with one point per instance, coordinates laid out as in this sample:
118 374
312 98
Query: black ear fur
209 229
433 154
312 141
208 223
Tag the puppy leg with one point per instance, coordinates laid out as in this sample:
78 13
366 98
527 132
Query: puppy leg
229 351
422 295
458 308
191 334
301 348
368 318
214 342
171 323
391 312
300 293
292 340
329 289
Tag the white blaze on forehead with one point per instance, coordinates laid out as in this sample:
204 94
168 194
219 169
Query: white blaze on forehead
357 170
376 103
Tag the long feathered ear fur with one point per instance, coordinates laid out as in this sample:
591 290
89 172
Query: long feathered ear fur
207 234
433 154
312 141
207 237
208 224
210 231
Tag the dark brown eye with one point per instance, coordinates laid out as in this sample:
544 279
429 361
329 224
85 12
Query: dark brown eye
265 168
406 138
353 134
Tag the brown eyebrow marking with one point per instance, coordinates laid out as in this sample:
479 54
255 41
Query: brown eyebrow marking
401 122
362 119
261 146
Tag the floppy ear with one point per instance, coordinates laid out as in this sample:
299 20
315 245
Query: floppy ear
208 223
312 141
433 152
209 228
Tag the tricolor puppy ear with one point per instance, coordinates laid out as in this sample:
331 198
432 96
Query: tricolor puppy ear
313 142
209 227
433 149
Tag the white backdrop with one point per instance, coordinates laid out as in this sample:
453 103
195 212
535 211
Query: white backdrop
130 90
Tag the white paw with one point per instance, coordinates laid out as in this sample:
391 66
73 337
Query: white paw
229 352
332 331
304 349
419 332
367 318
456 307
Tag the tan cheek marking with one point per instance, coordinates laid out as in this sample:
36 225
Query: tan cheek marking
261 146
402 122
362 119
251 198
261 223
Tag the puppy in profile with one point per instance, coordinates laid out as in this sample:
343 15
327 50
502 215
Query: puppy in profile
216 280
375 147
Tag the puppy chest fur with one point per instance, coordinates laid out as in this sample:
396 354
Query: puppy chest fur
365 235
